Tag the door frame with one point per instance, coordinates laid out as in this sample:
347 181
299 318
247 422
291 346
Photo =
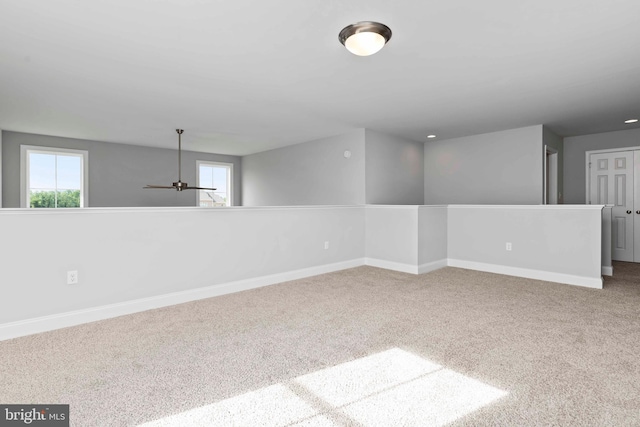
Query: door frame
550 177
587 172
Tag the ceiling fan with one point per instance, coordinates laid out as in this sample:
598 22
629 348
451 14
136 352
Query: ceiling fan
179 185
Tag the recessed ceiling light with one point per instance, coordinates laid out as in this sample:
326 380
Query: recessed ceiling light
631 121
364 38
431 136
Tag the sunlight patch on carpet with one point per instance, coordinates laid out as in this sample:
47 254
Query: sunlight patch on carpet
393 387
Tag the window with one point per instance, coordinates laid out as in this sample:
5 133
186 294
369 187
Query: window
53 177
218 176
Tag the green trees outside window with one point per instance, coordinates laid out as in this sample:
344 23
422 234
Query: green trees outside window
53 177
54 199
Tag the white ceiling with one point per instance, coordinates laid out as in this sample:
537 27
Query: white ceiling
242 76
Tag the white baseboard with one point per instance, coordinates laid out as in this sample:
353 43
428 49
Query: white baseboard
406 268
73 318
589 282
432 266
391 265
607 271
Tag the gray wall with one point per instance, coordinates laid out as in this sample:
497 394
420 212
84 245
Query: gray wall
394 170
311 173
575 149
554 141
392 235
493 168
432 236
117 172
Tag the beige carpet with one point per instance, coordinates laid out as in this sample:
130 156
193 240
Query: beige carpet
359 347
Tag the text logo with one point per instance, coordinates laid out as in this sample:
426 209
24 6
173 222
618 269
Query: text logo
34 415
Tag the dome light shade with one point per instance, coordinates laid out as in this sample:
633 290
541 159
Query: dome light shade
364 44
365 38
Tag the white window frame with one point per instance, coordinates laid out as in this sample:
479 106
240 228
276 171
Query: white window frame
25 150
229 167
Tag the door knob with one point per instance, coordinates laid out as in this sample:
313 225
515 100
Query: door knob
628 212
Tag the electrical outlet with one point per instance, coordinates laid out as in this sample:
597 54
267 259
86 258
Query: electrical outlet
508 246
326 245
72 277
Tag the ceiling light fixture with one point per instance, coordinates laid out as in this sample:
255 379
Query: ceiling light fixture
365 38
431 136
631 121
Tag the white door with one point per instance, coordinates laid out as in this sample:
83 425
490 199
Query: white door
611 182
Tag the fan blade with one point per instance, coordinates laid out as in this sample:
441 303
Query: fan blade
159 186
200 188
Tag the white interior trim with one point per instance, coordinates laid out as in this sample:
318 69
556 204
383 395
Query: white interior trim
432 266
78 317
527 207
406 268
550 177
613 150
404 206
547 276
24 170
392 265
112 210
587 156
230 175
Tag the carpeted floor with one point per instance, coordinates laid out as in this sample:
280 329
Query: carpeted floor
358 347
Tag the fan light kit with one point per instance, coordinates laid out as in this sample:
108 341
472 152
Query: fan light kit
365 38
179 185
